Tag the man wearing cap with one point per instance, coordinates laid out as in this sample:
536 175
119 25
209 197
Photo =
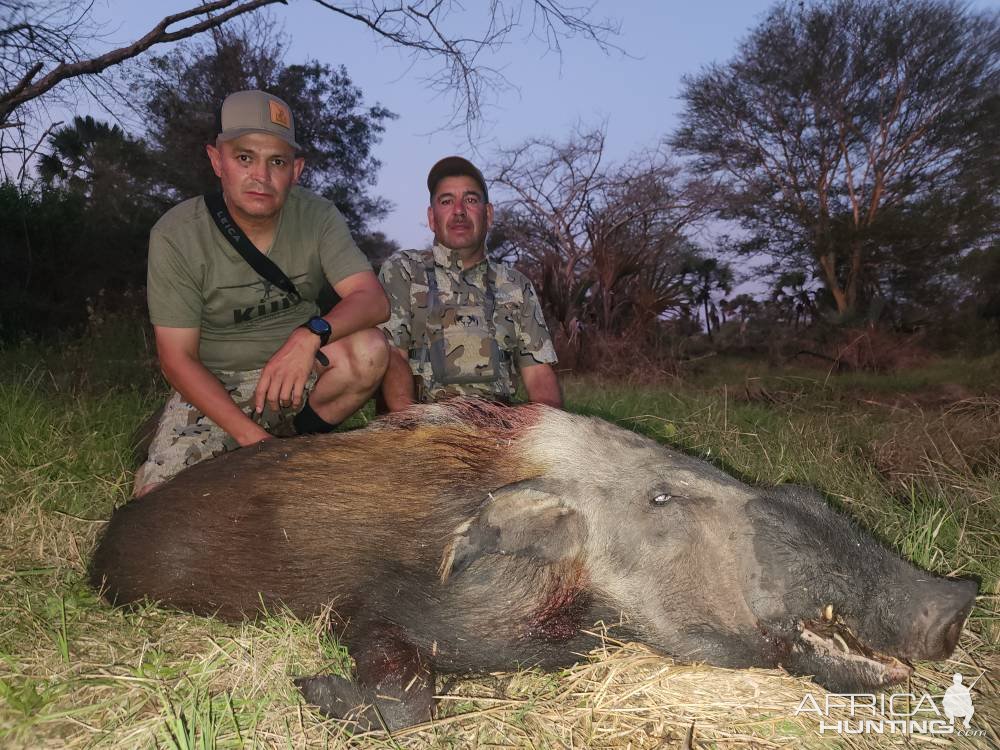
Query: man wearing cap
247 352
461 324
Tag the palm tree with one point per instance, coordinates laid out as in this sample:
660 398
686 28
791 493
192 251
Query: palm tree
100 163
709 276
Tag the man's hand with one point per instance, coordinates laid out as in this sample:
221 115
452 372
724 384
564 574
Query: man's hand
178 352
362 305
283 380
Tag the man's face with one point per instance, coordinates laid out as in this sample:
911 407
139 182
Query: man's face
257 172
458 216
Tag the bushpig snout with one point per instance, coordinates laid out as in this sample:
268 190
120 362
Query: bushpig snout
938 619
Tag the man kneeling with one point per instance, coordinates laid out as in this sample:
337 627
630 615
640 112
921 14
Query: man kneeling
232 287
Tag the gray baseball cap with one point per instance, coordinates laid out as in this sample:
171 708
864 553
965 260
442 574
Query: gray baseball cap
256 112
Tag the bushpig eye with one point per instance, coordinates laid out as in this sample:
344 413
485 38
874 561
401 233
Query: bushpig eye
661 499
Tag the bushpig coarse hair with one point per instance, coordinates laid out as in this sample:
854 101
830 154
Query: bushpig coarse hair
404 484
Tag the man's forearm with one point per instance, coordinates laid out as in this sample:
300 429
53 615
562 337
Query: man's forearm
200 387
357 311
397 385
542 385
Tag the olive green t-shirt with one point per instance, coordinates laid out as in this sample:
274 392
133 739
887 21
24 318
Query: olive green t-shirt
196 279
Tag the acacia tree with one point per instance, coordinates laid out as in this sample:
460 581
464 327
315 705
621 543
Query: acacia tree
841 124
603 244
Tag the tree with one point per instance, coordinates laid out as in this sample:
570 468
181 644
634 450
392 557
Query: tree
604 245
377 247
59 250
709 277
100 163
46 44
78 235
792 299
842 129
184 92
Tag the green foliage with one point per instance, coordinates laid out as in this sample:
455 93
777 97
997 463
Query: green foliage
197 723
68 415
27 696
184 90
858 140
60 250
101 163
78 239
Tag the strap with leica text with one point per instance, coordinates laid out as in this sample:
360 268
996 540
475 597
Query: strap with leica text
258 261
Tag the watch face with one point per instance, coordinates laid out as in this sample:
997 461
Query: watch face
319 326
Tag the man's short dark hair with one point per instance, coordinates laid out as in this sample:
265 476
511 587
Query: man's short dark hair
455 166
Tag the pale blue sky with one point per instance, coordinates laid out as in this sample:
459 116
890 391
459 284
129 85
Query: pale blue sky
636 95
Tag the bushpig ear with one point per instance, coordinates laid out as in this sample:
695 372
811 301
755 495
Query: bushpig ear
520 519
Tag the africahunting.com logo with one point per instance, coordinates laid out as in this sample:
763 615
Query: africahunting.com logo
895 713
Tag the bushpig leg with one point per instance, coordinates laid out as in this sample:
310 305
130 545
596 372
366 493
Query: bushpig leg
394 685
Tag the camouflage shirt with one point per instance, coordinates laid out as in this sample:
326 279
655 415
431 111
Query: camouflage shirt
455 346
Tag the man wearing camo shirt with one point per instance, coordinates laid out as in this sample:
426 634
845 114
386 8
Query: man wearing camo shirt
461 324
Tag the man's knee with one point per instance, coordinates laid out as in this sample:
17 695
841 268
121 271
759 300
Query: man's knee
365 356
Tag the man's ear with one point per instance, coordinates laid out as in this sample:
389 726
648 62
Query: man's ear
430 220
522 519
489 215
297 167
214 156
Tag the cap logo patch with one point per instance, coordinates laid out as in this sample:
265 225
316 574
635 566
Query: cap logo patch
279 114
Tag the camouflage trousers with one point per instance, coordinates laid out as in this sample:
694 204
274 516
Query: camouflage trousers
184 436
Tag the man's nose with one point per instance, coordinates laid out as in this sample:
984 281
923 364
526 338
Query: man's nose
460 208
259 171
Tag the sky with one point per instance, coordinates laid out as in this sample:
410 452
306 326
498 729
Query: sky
635 93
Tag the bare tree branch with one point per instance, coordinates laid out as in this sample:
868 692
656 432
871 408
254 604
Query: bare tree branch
48 39
605 245
24 90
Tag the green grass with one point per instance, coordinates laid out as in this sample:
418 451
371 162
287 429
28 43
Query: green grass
74 673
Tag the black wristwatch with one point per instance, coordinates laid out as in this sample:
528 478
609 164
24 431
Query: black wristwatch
320 327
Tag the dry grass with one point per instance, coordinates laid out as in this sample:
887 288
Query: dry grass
130 675
961 438
76 674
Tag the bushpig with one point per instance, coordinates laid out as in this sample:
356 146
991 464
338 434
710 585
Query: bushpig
468 536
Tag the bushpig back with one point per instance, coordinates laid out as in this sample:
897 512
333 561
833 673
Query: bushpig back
306 522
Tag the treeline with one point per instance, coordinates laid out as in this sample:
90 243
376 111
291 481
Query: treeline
848 153
76 236
850 150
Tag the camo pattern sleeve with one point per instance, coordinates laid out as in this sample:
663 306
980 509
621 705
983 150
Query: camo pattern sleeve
396 277
534 345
